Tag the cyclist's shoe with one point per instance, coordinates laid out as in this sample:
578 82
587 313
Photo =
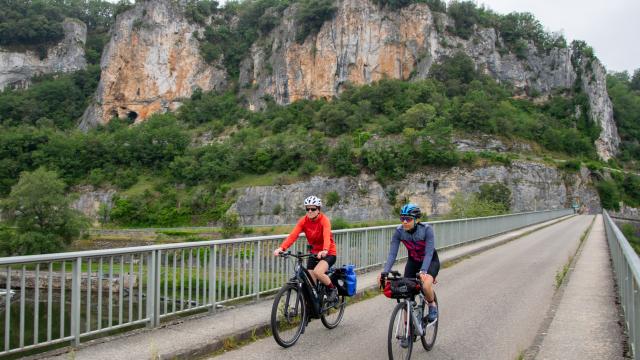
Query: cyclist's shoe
433 314
332 295
404 343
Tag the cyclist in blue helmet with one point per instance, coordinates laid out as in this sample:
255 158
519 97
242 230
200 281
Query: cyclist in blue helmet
423 260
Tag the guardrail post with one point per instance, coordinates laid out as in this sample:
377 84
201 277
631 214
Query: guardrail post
256 270
212 278
75 300
157 269
151 265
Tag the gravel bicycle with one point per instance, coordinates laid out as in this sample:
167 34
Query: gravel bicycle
299 300
408 321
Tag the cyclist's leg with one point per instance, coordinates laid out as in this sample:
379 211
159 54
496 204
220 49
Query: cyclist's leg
312 262
429 277
427 286
322 267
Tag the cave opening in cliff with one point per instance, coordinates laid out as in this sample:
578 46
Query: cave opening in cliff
132 116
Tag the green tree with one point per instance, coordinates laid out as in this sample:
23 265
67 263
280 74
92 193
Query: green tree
609 195
497 193
635 80
41 213
311 15
470 205
342 159
418 116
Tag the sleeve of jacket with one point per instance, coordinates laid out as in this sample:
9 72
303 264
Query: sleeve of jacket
393 251
293 235
326 233
430 244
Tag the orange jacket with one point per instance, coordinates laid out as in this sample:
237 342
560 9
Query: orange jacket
318 233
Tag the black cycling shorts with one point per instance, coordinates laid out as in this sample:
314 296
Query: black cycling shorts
413 267
313 261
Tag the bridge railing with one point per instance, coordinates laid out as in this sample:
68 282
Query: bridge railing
626 265
68 297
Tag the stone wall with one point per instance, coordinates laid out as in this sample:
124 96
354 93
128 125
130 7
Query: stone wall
533 186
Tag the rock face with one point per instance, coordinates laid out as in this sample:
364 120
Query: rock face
17 68
150 64
533 187
364 43
153 61
90 200
601 110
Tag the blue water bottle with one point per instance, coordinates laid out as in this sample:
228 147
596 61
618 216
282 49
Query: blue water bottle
351 280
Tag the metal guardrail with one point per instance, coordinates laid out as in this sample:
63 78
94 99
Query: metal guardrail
64 297
626 265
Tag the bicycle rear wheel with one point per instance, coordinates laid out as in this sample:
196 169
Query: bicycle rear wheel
333 315
431 329
400 337
288 315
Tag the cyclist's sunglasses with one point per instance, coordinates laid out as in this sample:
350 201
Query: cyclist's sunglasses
311 209
406 218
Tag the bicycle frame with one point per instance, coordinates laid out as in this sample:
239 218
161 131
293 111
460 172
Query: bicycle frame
303 280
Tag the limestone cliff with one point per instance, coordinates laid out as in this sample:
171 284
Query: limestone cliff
153 61
533 186
150 64
364 43
18 68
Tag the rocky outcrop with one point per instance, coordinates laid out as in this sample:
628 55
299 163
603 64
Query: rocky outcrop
152 61
90 201
151 64
364 43
533 186
594 85
18 68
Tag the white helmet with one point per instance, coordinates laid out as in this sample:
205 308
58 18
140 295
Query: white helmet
313 200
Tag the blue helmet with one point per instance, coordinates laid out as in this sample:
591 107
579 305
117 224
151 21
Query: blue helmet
411 210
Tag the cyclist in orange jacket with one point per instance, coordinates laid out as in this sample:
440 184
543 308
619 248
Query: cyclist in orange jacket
317 228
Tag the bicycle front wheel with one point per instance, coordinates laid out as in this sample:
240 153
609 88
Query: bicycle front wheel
333 315
431 329
400 338
288 315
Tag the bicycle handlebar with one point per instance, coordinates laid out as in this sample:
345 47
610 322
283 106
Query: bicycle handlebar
298 255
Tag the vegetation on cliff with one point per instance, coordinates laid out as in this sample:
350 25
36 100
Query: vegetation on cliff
175 169
37 24
181 168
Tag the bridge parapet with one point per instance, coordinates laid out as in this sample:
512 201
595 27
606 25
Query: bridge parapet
626 266
176 279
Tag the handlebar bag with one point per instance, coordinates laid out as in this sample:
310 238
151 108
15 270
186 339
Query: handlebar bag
401 288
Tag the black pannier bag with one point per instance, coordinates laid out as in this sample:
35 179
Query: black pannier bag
338 278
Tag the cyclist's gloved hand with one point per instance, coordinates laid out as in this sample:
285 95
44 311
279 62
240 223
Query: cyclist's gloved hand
322 254
382 279
277 251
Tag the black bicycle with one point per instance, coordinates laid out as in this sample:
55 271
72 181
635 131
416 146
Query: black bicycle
408 321
298 301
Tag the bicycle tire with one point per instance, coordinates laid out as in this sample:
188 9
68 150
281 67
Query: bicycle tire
286 333
339 307
431 331
400 333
